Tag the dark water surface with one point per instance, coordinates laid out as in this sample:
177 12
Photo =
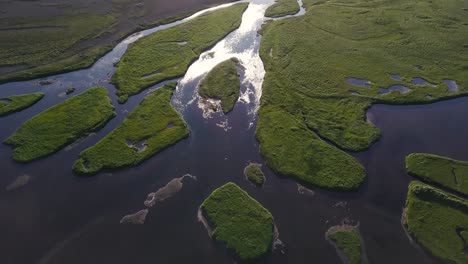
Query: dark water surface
58 217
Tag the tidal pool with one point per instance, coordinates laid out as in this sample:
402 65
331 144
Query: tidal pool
358 82
397 87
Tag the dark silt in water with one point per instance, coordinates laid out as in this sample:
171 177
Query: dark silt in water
62 218
358 82
400 88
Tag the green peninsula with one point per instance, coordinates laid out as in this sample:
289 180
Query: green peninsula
16 103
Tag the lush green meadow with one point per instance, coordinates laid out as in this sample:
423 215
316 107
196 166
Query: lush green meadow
282 8
151 127
449 173
438 221
17 103
309 58
254 173
239 221
222 83
167 54
61 125
346 239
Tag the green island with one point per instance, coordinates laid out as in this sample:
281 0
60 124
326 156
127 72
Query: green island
438 221
167 54
222 83
308 60
62 124
16 103
254 173
449 173
239 221
347 240
151 127
282 8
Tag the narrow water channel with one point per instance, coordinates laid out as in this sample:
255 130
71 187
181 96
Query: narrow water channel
58 217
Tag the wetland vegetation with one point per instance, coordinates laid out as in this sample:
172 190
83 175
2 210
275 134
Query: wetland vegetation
254 173
438 221
282 8
449 173
347 240
16 103
239 221
61 125
308 60
222 83
151 127
160 56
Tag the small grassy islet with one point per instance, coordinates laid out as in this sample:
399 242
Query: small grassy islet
449 173
16 103
438 221
222 83
154 124
282 8
346 239
167 54
254 173
61 125
240 221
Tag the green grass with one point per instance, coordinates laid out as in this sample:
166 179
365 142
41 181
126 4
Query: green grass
308 59
240 221
61 125
348 241
17 103
153 125
282 8
160 56
254 173
438 221
222 83
449 173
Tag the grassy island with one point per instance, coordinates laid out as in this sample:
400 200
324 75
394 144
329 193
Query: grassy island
438 221
167 54
449 173
16 103
347 240
61 125
282 8
151 127
254 173
222 83
309 60
239 221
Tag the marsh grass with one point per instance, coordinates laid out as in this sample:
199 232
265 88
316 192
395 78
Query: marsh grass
17 103
154 121
239 221
348 241
61 125
161 53
254 173
222 83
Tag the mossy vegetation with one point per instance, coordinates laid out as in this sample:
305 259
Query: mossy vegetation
61 125
348 241
222 83
239 221
309 58
254 173
151 127
449 173
16 103
438 221
160 56
282 8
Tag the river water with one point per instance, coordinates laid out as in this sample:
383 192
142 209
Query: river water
58 217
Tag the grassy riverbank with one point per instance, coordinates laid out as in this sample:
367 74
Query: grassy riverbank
254 173
222 83
16 103
449 173
309 58
250 232
61 125
151 127
282 8
167 54
347 240
438 221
